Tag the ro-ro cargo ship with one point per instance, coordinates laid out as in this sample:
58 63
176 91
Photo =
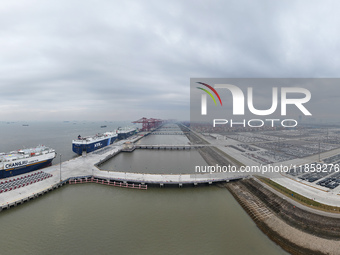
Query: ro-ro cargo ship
25 160
91 143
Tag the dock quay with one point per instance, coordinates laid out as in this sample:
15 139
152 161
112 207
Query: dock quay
168 147
85 169
167 133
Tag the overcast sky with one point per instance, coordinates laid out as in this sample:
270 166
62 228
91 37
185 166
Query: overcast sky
122 60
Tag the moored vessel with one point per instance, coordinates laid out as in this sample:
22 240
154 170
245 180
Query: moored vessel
124 133
91 143
25 160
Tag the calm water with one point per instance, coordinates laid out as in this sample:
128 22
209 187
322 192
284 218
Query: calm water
97 219
156 161
164 139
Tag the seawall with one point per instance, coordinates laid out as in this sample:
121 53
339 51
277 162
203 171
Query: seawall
295 230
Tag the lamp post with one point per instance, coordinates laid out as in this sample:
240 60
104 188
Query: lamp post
60 168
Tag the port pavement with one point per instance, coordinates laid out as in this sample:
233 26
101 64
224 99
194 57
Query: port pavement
87 166
80 166
309 190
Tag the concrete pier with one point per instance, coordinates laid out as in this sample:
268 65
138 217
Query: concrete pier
169 147
86 167
167 133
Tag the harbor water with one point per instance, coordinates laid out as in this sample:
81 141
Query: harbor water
155 161
99 219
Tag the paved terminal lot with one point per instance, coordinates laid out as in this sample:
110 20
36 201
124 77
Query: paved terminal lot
79 166
239 146
325 197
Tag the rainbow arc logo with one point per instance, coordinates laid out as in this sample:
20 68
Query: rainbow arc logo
209 93
204 97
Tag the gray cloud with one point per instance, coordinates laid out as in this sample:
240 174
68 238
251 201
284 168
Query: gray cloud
103 59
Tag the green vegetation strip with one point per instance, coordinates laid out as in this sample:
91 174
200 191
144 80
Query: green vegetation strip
299 198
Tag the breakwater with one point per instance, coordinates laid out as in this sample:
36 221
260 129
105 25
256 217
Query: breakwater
294 229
